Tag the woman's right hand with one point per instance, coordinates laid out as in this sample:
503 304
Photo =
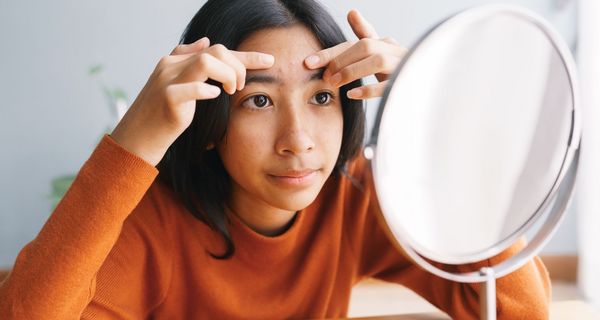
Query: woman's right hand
165 107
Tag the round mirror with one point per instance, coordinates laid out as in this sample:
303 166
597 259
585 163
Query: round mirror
475 137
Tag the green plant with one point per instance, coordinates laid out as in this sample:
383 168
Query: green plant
116 99
59 186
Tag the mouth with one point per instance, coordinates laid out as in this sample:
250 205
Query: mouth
294 178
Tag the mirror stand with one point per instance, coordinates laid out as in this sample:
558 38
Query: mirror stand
487 294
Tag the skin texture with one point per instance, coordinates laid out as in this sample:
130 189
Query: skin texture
278 156
269 150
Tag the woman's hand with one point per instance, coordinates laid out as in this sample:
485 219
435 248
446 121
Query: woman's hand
350 61
165 107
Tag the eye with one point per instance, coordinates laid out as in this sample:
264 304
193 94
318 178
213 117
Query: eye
321 98
259 101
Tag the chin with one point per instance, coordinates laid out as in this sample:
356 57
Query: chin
295 201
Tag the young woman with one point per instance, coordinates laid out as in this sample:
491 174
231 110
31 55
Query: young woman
261 210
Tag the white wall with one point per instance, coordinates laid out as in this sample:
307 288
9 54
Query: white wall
588 183
52 113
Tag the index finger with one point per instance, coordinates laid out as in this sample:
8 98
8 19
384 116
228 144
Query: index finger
254 60
361 27
322 58
194 47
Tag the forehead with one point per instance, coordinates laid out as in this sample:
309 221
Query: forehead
289 45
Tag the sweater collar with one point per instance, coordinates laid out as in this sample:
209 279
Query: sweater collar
255 248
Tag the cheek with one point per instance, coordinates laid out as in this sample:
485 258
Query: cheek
330 128
245 144
327 130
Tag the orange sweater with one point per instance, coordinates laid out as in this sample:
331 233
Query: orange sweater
122 247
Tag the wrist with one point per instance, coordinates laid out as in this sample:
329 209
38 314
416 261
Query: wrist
151 154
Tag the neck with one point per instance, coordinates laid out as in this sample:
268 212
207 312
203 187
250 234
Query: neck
262 218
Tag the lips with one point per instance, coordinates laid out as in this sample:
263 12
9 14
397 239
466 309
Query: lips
295 177
295 173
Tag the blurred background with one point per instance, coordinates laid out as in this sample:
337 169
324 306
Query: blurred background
69 68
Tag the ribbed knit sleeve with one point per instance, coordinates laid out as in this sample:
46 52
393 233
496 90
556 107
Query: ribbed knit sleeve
136 276
54 275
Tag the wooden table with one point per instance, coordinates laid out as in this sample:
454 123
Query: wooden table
559 310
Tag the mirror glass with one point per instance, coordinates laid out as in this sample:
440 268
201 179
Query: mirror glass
472 135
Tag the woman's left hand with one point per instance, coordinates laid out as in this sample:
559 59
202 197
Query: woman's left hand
350 61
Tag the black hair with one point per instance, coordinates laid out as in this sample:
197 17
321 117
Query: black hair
190 167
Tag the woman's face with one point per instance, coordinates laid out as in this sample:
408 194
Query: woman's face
285 127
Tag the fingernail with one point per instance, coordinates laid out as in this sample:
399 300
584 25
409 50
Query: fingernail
312 61
214 91
267 59
335 79
205 41
355 93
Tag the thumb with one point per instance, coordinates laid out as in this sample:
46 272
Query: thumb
361 27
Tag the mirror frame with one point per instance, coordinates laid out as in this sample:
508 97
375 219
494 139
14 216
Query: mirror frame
553 207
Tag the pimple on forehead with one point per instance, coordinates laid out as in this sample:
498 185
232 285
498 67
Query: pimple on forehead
290 46
296 63
291 43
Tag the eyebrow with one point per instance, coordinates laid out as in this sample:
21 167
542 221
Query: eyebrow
265 78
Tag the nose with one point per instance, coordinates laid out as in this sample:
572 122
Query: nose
294 133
